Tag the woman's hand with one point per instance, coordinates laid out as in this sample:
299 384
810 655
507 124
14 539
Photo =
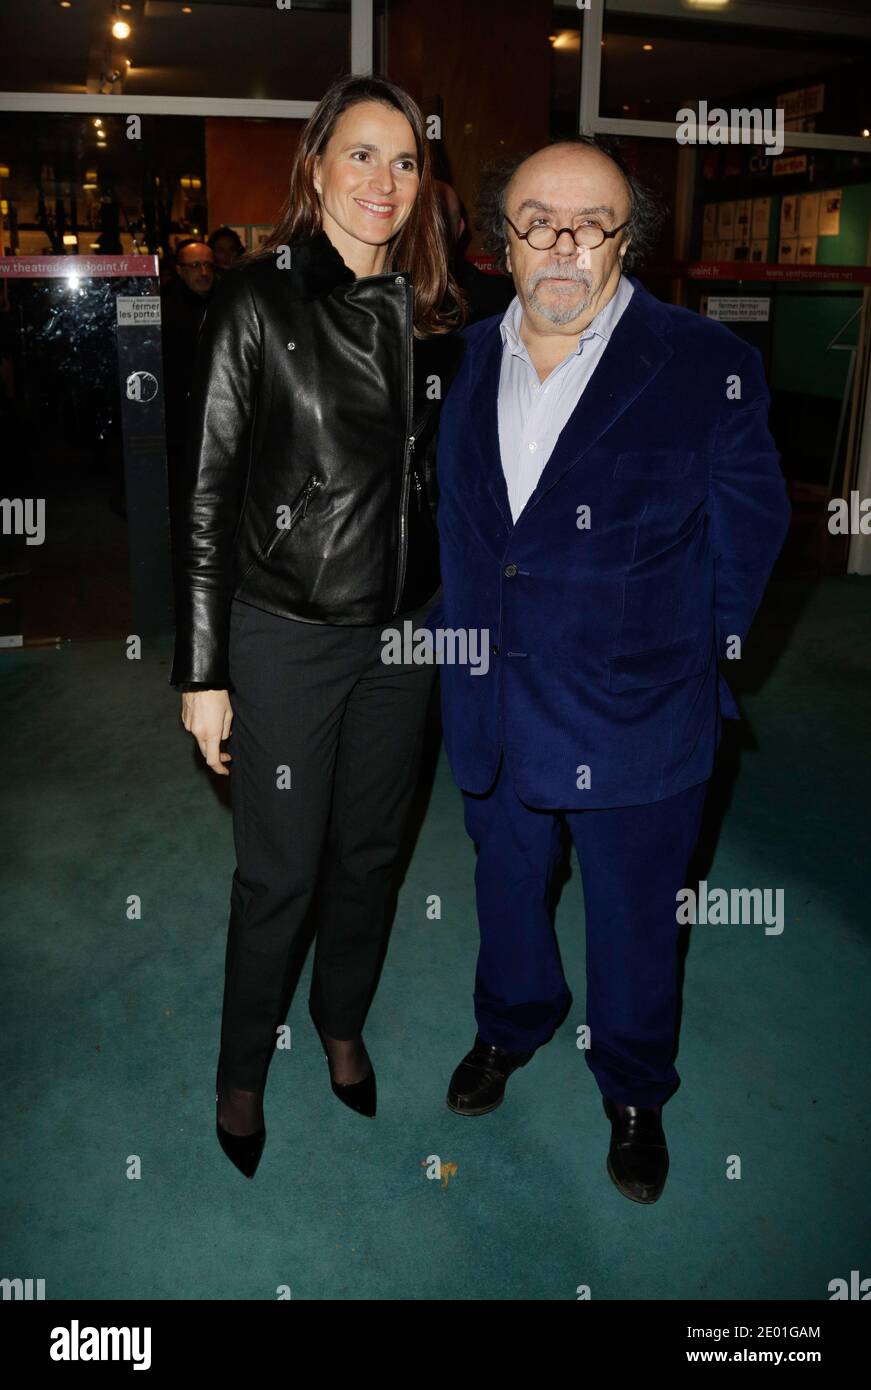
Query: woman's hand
208 715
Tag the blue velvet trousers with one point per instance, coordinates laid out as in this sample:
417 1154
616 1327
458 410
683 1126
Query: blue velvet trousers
633 862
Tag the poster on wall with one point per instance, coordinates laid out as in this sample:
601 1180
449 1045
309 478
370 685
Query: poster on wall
725 251
759 251
726 222
761 220
808 214
709 250
252 234
807 250
709 222
742 221
830 213
787 254
789 217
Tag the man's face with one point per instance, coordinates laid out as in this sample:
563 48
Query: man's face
566 186
453 212
226 252
196 266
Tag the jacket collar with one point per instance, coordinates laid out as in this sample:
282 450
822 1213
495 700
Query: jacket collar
316 267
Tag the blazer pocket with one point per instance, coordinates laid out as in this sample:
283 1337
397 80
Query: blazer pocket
660 666
653 463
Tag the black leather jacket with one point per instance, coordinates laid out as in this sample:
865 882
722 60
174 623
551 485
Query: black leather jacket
309 478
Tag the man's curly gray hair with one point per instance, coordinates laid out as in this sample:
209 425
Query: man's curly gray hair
646 206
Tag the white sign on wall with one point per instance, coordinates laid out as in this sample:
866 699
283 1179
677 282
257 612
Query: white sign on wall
738 309
138 309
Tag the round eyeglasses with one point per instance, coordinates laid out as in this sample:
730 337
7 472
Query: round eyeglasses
588 234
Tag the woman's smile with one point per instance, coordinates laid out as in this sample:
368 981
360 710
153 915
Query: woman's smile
382 210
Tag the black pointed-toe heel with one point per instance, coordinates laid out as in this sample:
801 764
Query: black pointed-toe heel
357 1095
243 1150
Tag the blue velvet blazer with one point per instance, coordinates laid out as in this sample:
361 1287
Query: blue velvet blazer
604 638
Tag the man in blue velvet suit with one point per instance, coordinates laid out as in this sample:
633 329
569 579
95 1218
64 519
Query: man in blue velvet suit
611 506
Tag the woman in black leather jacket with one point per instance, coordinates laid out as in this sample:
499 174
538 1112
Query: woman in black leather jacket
305 528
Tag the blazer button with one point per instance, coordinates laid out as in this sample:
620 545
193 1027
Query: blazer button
510 571
291 346
400 280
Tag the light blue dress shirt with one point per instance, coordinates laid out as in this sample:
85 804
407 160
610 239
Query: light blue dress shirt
532 413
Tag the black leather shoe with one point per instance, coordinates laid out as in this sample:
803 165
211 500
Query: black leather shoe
357 1095
243 1150
478 1084
638 1156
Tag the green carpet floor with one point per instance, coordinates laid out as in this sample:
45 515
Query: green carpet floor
111 1028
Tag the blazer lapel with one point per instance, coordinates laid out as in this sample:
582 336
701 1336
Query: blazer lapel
632 358
483 396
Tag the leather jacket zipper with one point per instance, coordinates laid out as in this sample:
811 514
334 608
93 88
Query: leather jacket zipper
312 484
298 511
402 557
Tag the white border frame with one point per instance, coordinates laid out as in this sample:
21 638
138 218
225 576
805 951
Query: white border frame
91 103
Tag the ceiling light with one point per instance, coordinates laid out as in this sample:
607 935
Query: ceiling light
648 47
70 239
186 9
97 122
121 29
706 4
66 4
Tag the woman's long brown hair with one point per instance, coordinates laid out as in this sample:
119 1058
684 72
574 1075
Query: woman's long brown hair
420 247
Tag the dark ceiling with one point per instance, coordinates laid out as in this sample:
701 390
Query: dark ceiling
223 48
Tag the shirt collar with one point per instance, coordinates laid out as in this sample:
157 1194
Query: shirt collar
602 326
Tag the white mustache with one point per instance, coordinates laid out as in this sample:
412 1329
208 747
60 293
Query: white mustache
562 272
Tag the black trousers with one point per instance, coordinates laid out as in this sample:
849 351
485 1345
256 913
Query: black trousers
326 746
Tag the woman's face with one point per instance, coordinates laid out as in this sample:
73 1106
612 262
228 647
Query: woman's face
368 176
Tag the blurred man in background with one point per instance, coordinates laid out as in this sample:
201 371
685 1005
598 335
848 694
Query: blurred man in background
485 294
183 304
